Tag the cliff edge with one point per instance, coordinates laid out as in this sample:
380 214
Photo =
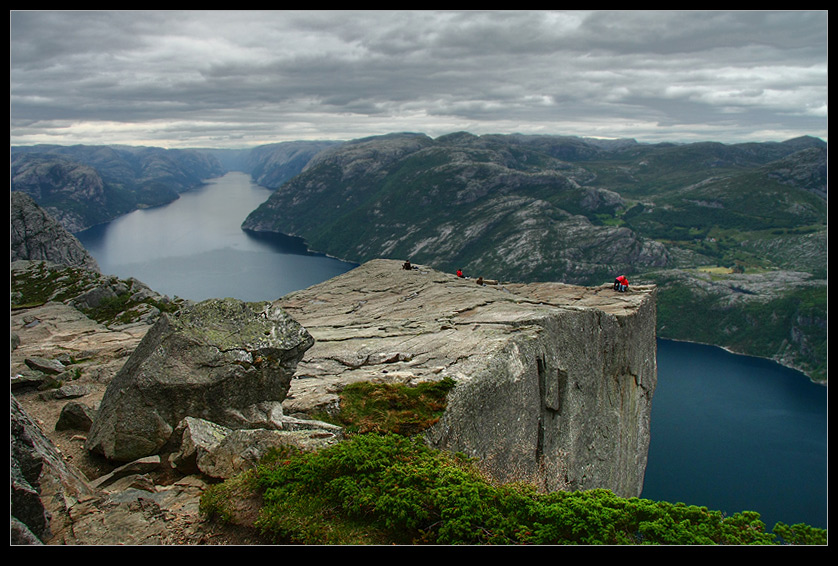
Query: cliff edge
554 381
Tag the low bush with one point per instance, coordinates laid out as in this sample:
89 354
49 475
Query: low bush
391 489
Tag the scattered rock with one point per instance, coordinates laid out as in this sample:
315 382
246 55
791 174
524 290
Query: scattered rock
195 438
140 466
75 416
71 391
26 380
241 450
50 367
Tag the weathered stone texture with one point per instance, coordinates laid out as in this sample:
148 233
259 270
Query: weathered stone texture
222 360
35 235
554 382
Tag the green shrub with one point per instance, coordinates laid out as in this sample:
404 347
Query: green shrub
800 534
387 488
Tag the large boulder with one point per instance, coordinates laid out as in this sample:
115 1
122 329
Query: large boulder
222 360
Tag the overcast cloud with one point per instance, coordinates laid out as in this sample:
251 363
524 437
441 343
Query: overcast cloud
244 78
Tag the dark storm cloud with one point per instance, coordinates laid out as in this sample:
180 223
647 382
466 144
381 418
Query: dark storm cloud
201 78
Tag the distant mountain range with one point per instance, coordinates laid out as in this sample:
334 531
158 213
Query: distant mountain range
734 235
561 208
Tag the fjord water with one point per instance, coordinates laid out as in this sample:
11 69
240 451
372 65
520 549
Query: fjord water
194 247
733 433
728 432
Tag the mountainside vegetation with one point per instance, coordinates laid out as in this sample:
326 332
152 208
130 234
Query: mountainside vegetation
739 256
392 489
384 485
735 235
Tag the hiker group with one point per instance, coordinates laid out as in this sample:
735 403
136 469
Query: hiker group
621 283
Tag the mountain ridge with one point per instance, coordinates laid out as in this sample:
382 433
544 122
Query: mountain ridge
82 186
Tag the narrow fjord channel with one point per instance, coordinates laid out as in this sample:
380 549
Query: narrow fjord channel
195 248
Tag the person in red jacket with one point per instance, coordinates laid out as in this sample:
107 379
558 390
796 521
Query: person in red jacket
621 283
459 273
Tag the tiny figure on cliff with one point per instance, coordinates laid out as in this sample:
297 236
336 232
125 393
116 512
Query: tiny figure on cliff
621 284
407 266
459 273
480 280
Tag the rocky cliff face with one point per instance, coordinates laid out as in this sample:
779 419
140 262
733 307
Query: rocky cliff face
553 208
554 382
457 201
273 164
35 235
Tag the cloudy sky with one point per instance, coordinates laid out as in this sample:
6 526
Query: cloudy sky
244 78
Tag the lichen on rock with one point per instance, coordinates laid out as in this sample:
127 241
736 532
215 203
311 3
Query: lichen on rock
222 360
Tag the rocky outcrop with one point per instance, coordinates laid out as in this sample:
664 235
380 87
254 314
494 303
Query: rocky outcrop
225 361
105 298
219 452
152 500
35 235
38 473
554 382
52 502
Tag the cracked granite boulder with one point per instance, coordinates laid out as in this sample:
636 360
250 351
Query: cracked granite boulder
222 360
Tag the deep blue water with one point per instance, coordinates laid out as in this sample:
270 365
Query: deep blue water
728 432
732 432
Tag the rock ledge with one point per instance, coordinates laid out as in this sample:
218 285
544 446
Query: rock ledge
555 381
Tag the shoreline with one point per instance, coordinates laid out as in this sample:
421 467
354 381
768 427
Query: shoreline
735 353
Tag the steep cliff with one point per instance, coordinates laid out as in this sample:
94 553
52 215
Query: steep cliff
554 382
35 235
554 208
